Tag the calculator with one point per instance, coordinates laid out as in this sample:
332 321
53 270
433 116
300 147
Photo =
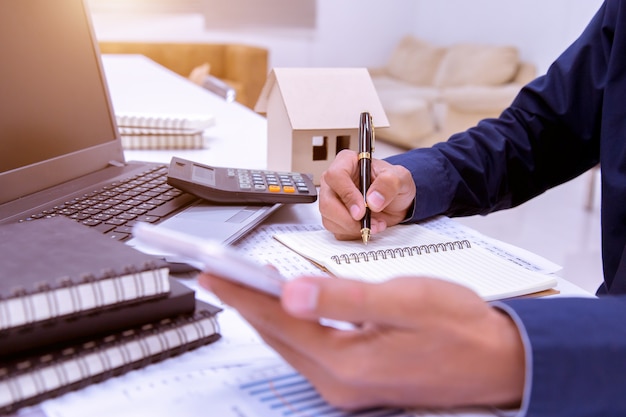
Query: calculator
240 186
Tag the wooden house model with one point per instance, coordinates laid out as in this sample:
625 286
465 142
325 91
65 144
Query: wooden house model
313 113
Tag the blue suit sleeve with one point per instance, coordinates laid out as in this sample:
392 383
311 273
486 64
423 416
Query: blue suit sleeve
577 349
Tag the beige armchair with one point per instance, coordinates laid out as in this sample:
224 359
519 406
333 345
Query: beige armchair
431 92
243 67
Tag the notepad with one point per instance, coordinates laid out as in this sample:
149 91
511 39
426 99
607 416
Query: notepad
56 268
31 378
163 131
163 123
413 250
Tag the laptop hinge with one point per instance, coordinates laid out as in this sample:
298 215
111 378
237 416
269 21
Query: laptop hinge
116 163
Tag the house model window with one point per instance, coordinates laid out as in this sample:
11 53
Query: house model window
320 145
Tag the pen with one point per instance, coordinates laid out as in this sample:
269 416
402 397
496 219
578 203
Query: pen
366 140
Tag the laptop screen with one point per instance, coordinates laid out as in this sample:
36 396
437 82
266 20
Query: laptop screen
56 121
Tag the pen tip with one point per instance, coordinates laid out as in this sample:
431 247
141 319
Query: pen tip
365 235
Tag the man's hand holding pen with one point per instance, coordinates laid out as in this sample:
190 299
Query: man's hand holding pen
342 206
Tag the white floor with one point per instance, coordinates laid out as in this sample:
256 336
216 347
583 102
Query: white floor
556 225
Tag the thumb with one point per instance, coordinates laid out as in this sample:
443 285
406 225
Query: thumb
331 298
396 302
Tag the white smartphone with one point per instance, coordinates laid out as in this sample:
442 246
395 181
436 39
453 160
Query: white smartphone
210 256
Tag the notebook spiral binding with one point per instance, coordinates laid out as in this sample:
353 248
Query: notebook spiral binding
73 296
381 254
28 381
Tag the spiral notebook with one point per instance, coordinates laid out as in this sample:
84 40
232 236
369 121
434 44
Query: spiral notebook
57 268
144 123
163 131
29 380
415 250
51 333
148 141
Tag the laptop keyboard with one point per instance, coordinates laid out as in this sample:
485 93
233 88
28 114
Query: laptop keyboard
115 208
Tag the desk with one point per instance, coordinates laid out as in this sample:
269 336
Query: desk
137 84
209 378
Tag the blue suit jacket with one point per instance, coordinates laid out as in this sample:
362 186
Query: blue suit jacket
559 126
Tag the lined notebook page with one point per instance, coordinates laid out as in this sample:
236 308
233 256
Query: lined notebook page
414 250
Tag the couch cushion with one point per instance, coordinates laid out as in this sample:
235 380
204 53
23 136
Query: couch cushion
525 73
415 61
410 121
473 64
392 88
480 98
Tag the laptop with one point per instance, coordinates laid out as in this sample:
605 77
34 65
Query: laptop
60 150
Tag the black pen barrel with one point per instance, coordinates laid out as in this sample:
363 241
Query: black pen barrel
365 168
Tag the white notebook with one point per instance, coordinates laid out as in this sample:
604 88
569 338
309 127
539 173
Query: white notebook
414 250
148 123
163 131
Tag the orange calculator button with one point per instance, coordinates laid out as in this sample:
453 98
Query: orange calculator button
289 189
274 188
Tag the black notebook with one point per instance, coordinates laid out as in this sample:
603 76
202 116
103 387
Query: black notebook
47 335
29 380
57 268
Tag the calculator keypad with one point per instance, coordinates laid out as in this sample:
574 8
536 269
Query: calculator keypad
273 182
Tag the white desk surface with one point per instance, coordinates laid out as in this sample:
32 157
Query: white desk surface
138 84
200 380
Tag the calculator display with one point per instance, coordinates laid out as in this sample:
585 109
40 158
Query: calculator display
203 174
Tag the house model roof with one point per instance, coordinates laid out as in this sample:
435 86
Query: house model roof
323 98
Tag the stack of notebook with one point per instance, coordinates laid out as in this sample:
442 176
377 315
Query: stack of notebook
77 308
163 131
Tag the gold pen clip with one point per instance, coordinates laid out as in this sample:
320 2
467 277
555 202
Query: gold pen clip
373 134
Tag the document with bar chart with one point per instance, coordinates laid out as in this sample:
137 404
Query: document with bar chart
281 392
269 389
